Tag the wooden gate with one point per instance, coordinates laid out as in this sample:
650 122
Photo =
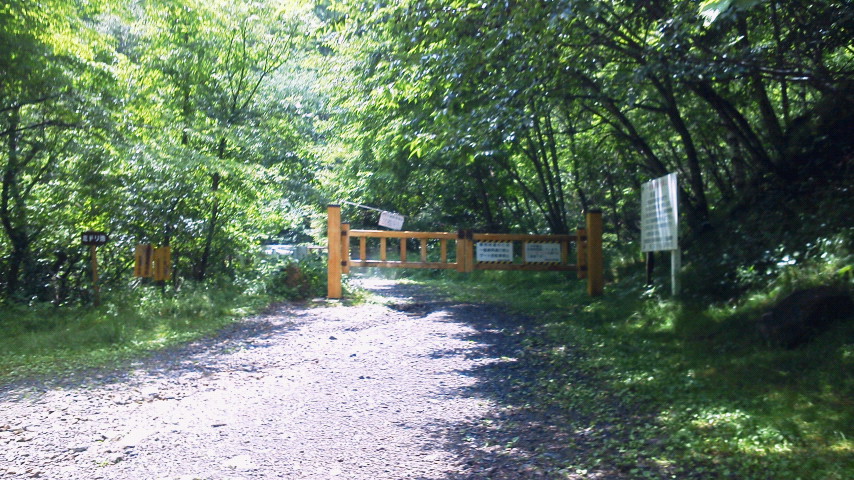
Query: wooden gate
465 251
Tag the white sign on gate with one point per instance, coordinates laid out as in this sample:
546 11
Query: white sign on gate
391 220
659 215
542 252
494 251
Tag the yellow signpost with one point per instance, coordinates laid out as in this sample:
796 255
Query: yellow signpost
154 263
162 264
143 256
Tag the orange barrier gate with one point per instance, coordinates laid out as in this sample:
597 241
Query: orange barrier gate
472 251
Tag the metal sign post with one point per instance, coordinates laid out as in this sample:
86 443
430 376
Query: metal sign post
95 287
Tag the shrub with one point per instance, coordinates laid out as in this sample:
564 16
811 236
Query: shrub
289 279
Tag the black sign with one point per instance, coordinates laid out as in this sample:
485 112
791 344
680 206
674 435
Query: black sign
95 238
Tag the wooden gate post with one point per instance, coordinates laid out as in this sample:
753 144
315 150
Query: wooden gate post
595 264
461 251
333 227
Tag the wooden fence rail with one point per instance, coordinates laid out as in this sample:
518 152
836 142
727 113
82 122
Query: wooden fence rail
423 238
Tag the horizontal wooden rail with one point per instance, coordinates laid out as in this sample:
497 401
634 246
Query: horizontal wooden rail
520 237
530 267
392 234
380 263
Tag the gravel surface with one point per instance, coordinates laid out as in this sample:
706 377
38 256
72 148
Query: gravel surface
413 389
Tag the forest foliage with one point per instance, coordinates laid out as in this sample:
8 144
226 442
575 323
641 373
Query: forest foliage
215 127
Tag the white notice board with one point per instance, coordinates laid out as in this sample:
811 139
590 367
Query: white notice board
542 252
494 251
391 220
659 214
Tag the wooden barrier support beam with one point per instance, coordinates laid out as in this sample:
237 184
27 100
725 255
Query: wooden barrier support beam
396 264
524 252
461 251
595 264
333 225
564 252
400 234
470 257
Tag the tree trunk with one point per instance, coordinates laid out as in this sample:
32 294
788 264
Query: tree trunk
766 110
698 211
9 211
624 126
736 123
480 173
204 262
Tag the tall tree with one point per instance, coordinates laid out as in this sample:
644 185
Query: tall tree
557 86
55 102
216 59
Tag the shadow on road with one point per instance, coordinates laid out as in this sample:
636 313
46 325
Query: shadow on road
527 435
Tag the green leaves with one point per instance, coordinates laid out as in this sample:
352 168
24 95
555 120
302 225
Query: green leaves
710 10
57 101
120 117
570 104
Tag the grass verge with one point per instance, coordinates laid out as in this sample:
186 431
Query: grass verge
671 390
41 339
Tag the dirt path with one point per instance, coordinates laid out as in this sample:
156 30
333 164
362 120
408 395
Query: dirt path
419 389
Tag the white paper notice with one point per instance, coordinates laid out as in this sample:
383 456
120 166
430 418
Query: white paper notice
494 251
659 214
391 220
542 252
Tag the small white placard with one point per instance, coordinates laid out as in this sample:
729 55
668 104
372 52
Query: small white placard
391 220
494 251
542 252
659 214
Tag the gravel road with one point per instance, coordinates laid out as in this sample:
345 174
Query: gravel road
411 389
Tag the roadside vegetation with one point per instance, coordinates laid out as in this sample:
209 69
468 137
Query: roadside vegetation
677 390
691 387
43 339
215 128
